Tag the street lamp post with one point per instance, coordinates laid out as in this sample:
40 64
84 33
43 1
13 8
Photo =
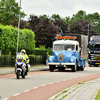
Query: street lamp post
88 32
18 29
89 27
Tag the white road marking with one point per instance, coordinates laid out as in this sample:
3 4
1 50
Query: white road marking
58 81
16 94
26 90
51 83
5 98
35 87
44 85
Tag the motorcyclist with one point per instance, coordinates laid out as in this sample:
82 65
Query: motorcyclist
26 58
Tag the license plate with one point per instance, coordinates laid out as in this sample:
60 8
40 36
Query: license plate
97 63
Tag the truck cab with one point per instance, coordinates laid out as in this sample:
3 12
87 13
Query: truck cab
94 51
66 54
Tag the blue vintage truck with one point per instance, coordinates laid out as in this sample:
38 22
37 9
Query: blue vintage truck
69 52
94 51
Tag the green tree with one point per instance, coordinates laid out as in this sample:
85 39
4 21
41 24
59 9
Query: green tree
94 18
67 20
33 21
55 17
43 16
45 32
23 24
81 15
60 22
9 11
63 26
81 27
78 16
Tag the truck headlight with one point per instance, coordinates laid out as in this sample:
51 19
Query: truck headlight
71 60
50 59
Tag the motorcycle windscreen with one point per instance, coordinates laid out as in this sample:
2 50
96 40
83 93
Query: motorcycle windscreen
20 57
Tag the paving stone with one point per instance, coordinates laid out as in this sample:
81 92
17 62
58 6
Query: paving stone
86 91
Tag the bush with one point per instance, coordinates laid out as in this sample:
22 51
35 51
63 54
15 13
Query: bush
8 39
37 52
50 52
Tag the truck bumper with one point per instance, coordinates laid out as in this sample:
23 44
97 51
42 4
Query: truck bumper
61 63
94 63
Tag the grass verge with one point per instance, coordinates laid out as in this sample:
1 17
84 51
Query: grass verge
98 96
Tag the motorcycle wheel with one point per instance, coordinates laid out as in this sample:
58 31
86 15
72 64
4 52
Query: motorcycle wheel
23 76
18 74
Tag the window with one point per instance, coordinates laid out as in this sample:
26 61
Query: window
76 47
69 47
94 46
64 47
58 47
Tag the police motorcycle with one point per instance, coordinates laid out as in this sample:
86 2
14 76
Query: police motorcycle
20 65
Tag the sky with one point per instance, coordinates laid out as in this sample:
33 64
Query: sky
64 8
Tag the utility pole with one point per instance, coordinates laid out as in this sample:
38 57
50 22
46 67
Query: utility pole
88 32
18 29
96 23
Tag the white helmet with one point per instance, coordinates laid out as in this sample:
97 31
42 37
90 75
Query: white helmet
24 51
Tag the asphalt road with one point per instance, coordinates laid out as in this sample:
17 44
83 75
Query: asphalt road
11 87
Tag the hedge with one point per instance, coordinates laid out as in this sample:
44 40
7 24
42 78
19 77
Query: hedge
36 57
8 39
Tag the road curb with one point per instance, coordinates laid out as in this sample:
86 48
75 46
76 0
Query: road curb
32 69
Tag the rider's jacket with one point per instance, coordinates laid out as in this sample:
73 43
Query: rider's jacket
26 58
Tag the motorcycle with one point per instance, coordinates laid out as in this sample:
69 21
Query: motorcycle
20 66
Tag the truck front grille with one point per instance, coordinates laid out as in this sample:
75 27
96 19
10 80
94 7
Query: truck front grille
60 57
95 57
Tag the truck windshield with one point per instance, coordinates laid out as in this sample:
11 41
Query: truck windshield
94 46
58 47
63 47
69 47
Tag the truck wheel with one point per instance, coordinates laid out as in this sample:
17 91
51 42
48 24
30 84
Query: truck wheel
78 68
73 68
51 67
95 65
82 67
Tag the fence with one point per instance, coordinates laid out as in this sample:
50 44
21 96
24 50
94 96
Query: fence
37 57
6 61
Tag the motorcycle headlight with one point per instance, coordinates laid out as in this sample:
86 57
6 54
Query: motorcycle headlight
71 60
50 59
